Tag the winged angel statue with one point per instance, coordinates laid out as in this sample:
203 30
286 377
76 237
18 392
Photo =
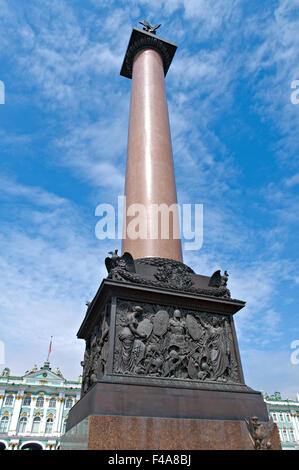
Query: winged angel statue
147 27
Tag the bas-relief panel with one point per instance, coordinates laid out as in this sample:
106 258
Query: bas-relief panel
167 342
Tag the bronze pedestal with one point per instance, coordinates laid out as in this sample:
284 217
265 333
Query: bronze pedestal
162 368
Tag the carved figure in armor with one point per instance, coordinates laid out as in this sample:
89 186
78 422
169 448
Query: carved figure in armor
95 356
204 369
201 367
102 350
217 347
174 363
132 348
177 328
94 350
153 361
85 376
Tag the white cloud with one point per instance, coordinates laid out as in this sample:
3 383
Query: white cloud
11 140
271 371
292 181
274 64
204 16
50 264
96 153
35 194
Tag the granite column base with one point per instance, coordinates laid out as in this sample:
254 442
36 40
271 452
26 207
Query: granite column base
143 433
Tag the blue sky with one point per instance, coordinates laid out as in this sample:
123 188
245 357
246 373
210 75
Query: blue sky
63 137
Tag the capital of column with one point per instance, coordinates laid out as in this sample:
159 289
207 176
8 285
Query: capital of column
144 40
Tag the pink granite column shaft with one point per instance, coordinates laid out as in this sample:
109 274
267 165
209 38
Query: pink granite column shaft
150 174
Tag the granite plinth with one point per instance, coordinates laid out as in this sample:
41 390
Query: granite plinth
108 398
147 433
142 408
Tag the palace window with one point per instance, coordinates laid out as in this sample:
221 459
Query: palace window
4 424
292 435
49 426
35 424
52 403
285 434
9 400
288 418
22 424
274 416
69 403
27 400
40 402
281 417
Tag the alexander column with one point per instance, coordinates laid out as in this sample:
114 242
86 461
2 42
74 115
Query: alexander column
161 368
150 173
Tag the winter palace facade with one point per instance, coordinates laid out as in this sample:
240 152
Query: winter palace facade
34 408
285 413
